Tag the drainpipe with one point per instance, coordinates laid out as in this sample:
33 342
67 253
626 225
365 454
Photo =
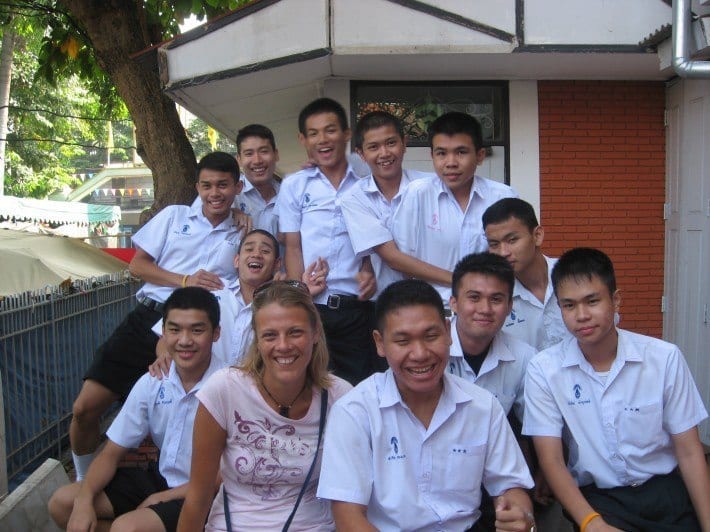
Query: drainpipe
682 27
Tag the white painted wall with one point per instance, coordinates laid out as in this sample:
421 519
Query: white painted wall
525 141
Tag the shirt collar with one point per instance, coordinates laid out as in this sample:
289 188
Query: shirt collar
196 212
451 395
626 351
520 291
248 187
478 187
174 379
498 350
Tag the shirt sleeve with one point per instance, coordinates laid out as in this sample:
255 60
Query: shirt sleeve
132 424
505 465
346 470
365 228
214 396
288 205
542 416
152 236
683 407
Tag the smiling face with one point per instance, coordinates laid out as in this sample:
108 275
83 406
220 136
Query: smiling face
455 160
257 159
515 242
285 340
415 341
189 335
217 191
256 260
383 151
325 141
588 312
482 305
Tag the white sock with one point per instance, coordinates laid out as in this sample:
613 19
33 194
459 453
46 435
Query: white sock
81 464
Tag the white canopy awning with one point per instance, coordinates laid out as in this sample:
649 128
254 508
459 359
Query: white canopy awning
57 212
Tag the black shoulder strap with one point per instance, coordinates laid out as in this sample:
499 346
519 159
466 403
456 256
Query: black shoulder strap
321 426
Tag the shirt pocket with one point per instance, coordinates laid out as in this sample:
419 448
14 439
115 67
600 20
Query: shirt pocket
640 425
462 469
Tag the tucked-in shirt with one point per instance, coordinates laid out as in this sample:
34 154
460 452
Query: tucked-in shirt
618 428
536 322
378 454
181 240
308 203
236 331
162 410
430 225
502 372
368 217
266 458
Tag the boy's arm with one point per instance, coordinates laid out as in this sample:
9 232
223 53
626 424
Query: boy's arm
145 267
208 442
293 256
100 473
514 510
694 470
551 458
411 266
351 517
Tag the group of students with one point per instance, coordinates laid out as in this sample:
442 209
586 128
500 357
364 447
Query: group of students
262 339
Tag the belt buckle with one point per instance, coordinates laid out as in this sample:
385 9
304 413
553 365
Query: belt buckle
333 302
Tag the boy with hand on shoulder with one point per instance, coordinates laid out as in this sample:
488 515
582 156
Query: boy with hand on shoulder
513 232
312 224
134 498
627 409
379 139
439 221
408 449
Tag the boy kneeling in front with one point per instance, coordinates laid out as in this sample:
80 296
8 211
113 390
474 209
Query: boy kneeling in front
133 499
408 449
627 409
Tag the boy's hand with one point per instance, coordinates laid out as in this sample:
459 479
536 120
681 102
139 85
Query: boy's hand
367 284
512 517
204 279
315 276
243 222
83 517
161 366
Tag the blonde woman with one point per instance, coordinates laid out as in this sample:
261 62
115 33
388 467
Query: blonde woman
259 424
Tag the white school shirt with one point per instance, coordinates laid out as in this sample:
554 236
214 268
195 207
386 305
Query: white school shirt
263 213
502 372
236 332
182 240
378 454
308 203
162 410
537 323
618 429
368 217
430 225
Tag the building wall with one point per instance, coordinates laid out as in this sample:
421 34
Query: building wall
602 178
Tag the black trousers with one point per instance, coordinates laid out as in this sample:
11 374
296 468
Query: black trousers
661 504
348 332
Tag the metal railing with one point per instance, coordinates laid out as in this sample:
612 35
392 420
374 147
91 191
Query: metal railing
47 342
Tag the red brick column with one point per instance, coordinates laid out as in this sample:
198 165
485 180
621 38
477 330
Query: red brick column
602 183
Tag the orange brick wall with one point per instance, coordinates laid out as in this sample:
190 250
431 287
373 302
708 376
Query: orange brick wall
602 183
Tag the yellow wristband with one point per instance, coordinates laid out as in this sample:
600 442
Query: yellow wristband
587 520
184 280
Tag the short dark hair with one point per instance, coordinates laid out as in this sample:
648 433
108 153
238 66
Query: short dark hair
487 264
507 208
261 232
218 161
454 123
320 106
374 120
583 263
193 297
255 130
406 293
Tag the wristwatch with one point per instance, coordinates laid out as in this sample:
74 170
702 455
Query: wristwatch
531 520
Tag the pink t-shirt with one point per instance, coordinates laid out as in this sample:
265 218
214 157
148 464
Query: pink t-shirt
266 458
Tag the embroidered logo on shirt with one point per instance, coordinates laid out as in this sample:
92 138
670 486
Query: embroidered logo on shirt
514 319
394 443
307 202
185 229
577 392
161 397
243 207
434 224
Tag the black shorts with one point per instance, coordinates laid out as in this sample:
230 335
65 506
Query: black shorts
130 486
122 359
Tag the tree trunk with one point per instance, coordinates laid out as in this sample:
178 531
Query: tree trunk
116 31
8 49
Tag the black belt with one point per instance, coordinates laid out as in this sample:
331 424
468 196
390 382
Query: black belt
342 301
151 304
